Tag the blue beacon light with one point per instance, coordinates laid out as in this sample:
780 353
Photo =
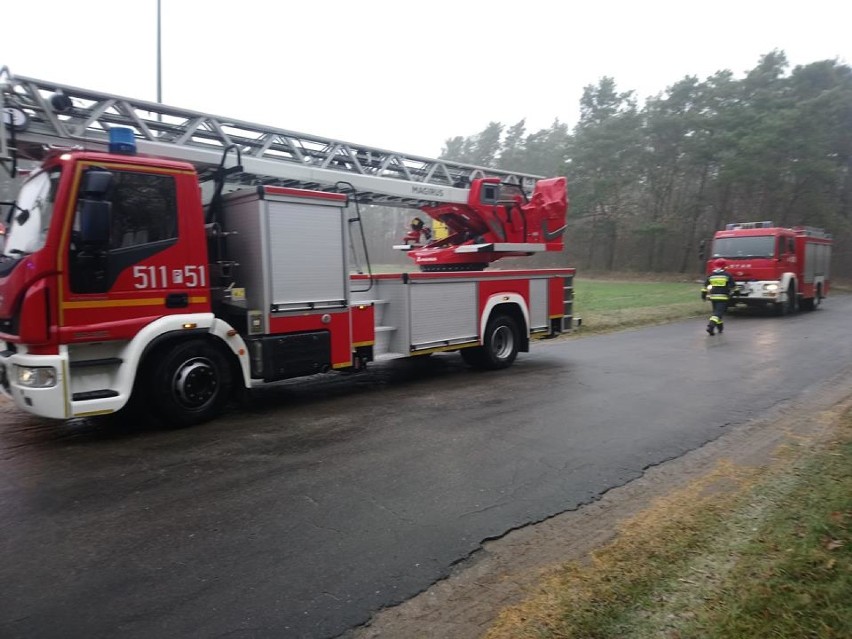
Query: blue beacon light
122 140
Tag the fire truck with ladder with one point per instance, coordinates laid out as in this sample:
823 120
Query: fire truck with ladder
173 259
781 269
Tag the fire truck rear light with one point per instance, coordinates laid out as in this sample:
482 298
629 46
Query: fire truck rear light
36 376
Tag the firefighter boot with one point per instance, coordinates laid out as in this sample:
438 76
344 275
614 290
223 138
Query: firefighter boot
721 328
710 328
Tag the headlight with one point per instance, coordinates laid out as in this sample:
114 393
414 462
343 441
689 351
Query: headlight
772 288
36 376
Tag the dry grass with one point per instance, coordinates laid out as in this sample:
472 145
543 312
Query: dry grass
595 599
743 552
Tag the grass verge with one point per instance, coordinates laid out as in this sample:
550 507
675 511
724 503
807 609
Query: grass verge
744 552
608 305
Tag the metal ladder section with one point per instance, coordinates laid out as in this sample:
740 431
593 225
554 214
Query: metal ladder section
384 333
568 318
62 116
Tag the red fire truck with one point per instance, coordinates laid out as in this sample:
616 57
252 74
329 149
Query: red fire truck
177 258
783 269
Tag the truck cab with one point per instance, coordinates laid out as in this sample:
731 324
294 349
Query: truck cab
98 246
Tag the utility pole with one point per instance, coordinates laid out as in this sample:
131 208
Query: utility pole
159 56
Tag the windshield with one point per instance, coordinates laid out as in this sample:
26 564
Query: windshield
29 217
744 247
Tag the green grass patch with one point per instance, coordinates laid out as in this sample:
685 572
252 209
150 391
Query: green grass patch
597 296
608 305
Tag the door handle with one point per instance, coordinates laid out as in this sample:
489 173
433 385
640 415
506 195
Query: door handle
177 300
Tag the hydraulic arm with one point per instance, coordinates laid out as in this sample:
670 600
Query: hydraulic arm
497 221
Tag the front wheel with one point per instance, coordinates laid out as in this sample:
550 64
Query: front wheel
191 384
499 345
788 306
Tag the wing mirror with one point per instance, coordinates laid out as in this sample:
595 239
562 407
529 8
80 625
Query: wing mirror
95 222
95 184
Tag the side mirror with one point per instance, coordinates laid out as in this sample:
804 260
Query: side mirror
95 183
95 222
702 250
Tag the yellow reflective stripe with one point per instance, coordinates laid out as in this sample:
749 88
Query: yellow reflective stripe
93 413
148 301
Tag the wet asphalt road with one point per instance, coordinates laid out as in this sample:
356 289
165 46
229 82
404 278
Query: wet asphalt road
331 497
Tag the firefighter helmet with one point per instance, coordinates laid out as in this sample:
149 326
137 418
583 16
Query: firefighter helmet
719 263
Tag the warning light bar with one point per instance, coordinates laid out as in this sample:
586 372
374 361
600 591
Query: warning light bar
121 140
749 225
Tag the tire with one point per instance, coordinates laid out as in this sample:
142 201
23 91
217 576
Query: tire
499 348
788 307
190 384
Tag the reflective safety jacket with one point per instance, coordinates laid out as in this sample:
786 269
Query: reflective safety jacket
719 285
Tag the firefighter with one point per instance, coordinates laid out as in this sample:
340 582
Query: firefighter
718 288
418 228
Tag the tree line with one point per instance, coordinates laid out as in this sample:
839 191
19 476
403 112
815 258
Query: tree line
647 184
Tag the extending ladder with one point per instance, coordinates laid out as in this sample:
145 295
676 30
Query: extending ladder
38 115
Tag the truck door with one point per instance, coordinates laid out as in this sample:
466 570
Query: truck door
787 251
127 262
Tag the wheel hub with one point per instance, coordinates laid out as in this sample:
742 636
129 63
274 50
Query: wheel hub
195 383
503 342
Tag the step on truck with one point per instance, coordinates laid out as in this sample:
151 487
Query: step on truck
175 259
775 268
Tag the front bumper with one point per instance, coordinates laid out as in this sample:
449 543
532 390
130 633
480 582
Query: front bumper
46 402
759 293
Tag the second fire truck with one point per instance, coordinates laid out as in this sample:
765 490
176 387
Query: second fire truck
775 268
174 258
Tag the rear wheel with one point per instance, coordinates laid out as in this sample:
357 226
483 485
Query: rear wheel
499 345
812 304
191 384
